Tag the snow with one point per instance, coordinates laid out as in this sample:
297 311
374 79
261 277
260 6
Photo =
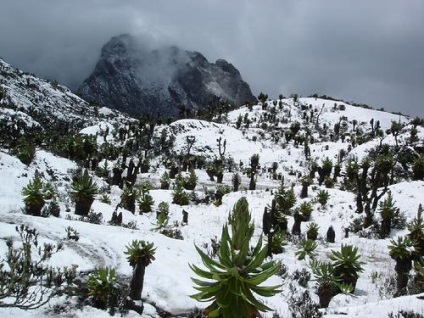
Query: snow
168 279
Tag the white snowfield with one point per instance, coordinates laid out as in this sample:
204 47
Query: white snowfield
167 280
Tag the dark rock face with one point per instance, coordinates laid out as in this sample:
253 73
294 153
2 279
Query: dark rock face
161 82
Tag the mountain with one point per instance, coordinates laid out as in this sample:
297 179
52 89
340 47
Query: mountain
374 155
134 79
30 106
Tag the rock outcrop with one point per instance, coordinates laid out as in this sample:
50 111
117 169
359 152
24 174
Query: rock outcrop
160 82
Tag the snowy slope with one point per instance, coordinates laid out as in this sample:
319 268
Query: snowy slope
167 280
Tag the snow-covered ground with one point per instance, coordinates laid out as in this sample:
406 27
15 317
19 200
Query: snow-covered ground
168 279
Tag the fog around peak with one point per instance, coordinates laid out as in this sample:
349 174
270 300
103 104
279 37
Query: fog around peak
365 51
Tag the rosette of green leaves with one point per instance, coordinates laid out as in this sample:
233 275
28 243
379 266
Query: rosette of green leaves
234 278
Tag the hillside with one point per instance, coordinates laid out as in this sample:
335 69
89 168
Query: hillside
295 140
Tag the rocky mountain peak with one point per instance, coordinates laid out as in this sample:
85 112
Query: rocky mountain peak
136 79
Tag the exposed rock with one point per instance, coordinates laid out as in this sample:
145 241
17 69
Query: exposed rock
133 78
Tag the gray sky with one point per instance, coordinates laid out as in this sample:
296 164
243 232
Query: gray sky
358 50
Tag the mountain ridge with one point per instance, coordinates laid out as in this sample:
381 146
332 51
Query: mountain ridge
163 81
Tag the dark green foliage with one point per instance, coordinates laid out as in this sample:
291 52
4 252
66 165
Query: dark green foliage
52 208
35 193
221 190
312 231
418 168
285 199
128 198
402 252
306 210
146 200
325 170
347 265
24 152
278 241
307 248
102 285
387 211
179 196
416 231
103 171
165 181
327 283
189 183
234 277
140 254
322 197
254 164
25 280
80 147
236 182
83 190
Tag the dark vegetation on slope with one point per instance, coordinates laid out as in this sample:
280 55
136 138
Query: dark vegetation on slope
135 143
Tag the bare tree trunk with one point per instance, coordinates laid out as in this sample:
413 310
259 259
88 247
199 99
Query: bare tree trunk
137 281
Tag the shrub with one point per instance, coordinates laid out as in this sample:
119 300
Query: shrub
146 200
165 181
312 231
83 190
306 209
33 197
25 153
128 198
105 198
72 234
418 168
235 275
307 248
103 286
285 199
189 183
326 282
303 306
26 281
179 196
347 265
387 211
278 241
92 217
405 314
322 197
302 277
52 208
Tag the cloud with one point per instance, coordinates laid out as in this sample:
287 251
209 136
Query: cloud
365 51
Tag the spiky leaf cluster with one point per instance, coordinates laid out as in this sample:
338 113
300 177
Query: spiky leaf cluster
103 286
235 276
307 248
346 261
84 187
140 251
402 249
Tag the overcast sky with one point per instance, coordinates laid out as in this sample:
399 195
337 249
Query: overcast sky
358 50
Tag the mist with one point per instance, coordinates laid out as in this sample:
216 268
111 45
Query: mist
363 51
